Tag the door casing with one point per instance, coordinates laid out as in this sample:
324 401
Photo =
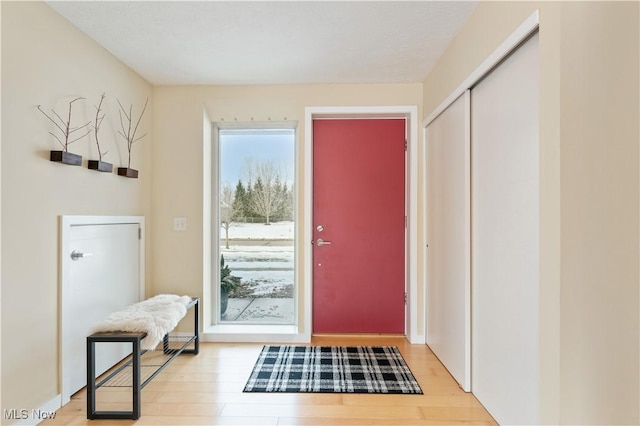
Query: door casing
410 114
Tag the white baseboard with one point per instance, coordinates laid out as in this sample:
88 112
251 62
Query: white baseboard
417 339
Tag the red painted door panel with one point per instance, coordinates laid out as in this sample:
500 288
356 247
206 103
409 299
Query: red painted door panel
359 201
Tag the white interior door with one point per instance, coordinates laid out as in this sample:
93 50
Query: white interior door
505 237
448 237
106 279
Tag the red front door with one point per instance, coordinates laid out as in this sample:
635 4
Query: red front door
358 226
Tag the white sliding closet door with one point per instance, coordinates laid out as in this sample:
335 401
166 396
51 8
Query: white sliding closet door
505 243
448 223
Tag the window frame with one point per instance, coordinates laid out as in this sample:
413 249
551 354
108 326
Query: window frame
217 324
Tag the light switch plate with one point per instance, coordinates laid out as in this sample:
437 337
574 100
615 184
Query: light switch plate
179 223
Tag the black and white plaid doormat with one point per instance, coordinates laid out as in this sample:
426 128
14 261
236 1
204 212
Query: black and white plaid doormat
332 369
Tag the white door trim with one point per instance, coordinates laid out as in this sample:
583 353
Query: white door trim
410 113
66 222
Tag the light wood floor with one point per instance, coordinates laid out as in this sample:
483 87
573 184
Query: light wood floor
206 389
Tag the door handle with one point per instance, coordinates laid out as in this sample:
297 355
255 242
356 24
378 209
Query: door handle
320 242
76 255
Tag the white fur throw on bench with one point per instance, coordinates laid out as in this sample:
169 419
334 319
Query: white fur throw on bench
156 316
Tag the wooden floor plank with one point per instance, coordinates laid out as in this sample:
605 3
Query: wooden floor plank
311 421
323 411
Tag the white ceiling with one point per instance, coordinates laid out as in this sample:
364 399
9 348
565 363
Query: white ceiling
268 42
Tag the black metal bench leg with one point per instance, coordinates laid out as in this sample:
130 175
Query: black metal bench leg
196 327
91 379
136 380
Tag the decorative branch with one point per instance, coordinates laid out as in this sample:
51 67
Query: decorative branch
127 132
96 126
65 126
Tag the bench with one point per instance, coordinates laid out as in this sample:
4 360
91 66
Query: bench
129 370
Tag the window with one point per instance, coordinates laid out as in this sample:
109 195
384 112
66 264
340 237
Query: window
256 223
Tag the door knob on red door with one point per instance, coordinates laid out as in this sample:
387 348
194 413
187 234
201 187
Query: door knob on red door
320 242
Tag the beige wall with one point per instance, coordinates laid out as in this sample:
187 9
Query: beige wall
600 377
179 150
589 266
47 61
